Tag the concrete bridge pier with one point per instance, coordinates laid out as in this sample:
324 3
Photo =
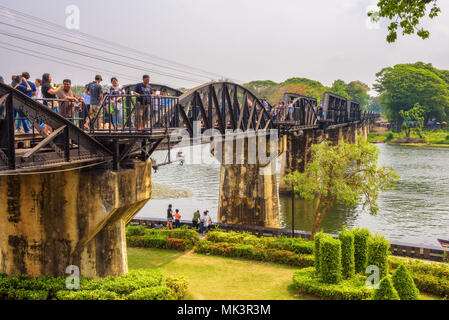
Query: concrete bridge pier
74 217
296 154
248 186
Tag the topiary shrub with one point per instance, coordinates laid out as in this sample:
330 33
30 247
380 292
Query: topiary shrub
330 260
361 236
178 287
316 250
347 253
378 254
404 285
307 282
386 290
152 293
135 231
86 295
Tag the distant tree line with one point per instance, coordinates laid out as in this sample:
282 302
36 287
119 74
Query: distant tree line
403 86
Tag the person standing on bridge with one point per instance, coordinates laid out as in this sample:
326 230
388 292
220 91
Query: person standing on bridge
170 217
96 96
29 89
48 92
116 94
66 108
143 92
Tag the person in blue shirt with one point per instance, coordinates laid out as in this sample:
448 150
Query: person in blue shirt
28 88
143 92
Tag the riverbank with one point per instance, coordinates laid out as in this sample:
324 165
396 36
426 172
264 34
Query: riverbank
430 138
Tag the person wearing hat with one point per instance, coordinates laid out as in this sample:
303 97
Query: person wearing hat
95 91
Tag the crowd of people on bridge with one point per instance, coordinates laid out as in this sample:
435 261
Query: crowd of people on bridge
281 111
103 105
202 222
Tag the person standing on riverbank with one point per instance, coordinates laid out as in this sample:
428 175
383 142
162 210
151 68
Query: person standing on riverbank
177 219
196 217
205 222
170 217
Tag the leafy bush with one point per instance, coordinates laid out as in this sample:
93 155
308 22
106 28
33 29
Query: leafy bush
386 290
317 240
307 282
330 260
22 287
378 254
254 253
190 235
158 241
127 283
152 293
404 285
415 266
390 136
178 287
361 236
86 295
296 245
135 231
347 253
431 284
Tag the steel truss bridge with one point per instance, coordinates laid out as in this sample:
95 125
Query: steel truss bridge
114 136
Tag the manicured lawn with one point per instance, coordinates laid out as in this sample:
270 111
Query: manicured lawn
220 278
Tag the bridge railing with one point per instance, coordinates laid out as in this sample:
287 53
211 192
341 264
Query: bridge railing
76 112
292 115
128 113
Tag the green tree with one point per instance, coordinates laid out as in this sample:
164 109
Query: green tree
342 173
405 15
413 118
358 91
339 87
404 85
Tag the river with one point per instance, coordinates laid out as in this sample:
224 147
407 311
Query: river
416 211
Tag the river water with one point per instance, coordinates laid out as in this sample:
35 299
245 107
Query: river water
416 211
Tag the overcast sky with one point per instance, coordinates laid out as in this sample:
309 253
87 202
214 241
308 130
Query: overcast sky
241 39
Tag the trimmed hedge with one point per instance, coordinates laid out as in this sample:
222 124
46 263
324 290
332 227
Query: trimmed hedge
159 242
378 254
432 278
347 253
296 245
307 282
152 293
250 252
431 284
361 236
135 231
22 287
317 240
87 295
386 290
330 260
404 285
